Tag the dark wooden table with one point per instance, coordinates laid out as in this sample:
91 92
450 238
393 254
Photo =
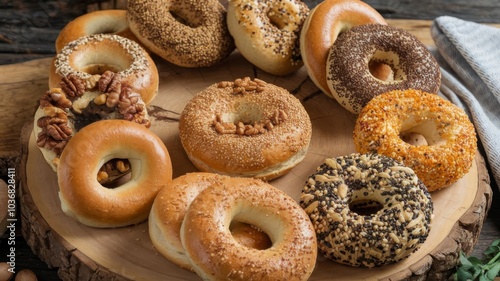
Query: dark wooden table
28 30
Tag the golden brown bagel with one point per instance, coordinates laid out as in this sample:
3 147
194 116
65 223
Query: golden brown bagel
215 255
95 22
85 199
170 207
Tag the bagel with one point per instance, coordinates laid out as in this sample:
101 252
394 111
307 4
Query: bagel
215 255
85 199
451 141
94 54
323 25
267 33
95 22
170 207
348 75
64 111
245 128
368 210
185 33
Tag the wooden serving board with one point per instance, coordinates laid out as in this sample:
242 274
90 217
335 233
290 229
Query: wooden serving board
85 253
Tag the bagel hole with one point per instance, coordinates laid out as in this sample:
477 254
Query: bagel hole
276 20
417 132
246 113
384 66
106 25
249 235
100 60
94 68
365 207
381 70
183 19
89 112
413 138
114 173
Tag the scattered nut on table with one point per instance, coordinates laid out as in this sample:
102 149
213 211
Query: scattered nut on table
5 274
26 275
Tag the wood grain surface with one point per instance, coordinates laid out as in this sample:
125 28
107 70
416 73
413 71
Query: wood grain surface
127 253
28 29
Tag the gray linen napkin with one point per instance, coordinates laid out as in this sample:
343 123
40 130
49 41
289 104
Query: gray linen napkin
469 55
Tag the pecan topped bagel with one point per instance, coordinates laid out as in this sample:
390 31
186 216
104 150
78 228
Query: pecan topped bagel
246 128
78 102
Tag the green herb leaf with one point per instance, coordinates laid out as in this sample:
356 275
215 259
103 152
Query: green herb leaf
473 268
493 249
463 275
493 272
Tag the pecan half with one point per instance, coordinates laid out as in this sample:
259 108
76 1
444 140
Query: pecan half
111 84
129 106
257 127
72 86
244 85
55 97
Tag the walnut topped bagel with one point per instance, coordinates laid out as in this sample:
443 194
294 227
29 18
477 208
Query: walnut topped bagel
65 110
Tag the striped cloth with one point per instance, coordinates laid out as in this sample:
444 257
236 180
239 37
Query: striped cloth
469 55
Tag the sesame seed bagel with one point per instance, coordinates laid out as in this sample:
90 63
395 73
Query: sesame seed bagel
96 53
65 110
322 27
348 75
246 128
95 22
170 207
93 204
185 33
449 134
368 210
267 32
215 255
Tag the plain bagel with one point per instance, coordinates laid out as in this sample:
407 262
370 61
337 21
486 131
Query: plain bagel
170 207
93 204
215 255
